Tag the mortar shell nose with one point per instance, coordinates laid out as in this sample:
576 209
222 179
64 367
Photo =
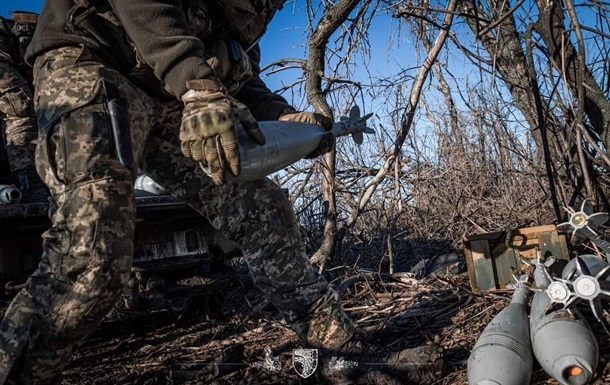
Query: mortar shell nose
573 371
575 375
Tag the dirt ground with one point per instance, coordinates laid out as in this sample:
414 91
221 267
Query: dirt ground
222 337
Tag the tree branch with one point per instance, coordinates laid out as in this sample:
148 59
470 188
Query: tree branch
407 118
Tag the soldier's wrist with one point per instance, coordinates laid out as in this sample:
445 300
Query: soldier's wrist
287 111
206 84
208 89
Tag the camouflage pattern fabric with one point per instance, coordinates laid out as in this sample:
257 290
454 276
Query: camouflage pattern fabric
99 29
88 251
328 327
18 113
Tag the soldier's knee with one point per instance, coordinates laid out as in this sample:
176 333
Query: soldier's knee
275 211
272 194
277 198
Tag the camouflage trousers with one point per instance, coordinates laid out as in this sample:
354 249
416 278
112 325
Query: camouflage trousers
88 251
17 109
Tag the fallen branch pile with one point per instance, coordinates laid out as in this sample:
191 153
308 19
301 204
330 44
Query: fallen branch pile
227 339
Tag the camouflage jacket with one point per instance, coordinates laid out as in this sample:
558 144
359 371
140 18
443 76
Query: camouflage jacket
159 45
16 106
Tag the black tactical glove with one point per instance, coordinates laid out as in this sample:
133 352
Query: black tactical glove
209 128
327 142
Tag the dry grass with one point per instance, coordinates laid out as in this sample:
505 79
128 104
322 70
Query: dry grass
398 312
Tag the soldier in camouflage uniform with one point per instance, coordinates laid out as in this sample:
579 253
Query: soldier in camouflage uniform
159 86
16 106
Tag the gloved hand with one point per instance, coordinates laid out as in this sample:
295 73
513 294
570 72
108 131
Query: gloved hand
327 142
209 128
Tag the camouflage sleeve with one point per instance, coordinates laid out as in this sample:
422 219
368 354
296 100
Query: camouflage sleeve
161 35
264 104
16 105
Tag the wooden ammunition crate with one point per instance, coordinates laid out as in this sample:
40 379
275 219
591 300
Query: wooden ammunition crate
490 260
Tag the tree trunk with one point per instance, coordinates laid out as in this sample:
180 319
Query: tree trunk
329 23
565 59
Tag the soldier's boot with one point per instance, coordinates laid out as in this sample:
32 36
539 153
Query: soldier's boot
346 357
31 187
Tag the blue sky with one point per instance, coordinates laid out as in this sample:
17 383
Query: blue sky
285 38
24 5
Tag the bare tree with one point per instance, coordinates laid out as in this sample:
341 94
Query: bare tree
454 154
559 137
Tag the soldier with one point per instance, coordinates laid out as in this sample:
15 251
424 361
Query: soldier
16 106
161 86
